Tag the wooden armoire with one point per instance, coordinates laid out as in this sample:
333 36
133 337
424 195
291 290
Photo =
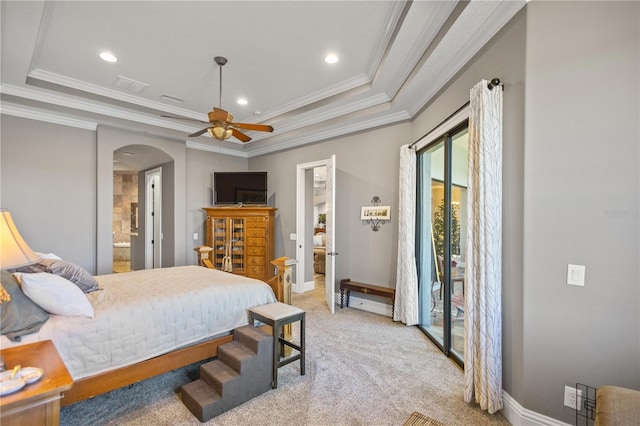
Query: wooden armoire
242 239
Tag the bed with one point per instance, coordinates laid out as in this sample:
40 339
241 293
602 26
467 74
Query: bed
146 323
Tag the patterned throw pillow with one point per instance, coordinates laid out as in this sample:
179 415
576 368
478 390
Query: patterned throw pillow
74 273
20 315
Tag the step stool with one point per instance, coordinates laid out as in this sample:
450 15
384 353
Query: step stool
277 315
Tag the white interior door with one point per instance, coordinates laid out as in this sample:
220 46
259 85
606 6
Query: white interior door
302 227
330 264
153 222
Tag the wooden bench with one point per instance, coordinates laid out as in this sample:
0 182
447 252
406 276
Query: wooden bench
349 286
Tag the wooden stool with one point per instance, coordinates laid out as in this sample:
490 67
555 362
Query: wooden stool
277 315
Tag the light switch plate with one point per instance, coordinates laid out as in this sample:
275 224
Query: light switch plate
293 237
575 274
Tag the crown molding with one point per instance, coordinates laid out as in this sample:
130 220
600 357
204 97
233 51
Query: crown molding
8 108
83 86
491 26
93 107
329 114
217 149
422 43
336 89
383 44
331 133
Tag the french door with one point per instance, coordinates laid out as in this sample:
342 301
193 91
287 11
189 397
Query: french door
441 235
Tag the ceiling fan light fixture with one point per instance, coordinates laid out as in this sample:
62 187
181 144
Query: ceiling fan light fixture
220 132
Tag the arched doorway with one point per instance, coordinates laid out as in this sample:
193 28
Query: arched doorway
131 224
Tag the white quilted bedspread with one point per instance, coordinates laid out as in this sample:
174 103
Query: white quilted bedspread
142 314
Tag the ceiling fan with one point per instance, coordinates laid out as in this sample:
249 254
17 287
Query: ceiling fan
222 126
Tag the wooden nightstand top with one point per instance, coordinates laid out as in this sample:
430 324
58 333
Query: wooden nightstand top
55 380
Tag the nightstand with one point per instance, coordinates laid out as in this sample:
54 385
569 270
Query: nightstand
37 403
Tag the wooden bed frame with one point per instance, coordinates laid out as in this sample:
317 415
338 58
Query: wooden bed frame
98 384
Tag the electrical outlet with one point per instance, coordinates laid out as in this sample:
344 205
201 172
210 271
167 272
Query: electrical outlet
573 398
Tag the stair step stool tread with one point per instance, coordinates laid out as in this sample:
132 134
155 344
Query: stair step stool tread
251 336
216 373
201 392
235 354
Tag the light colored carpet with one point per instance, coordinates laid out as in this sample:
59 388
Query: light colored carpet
362 369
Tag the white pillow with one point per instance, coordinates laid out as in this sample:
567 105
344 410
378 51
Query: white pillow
55 294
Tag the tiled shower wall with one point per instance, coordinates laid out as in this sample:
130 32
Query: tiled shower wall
125 192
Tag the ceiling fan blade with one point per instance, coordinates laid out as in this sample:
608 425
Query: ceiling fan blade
184 118
258 127
241 136
198 133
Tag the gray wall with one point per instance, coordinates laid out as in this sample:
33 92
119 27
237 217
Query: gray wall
581 198
48 183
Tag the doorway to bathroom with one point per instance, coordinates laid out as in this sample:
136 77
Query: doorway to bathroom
125 217
138 201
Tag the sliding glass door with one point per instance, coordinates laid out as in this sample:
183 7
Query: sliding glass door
441 229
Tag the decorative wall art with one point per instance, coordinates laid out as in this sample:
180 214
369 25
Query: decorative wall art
375 215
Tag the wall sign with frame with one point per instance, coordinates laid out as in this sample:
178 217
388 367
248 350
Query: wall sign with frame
375 215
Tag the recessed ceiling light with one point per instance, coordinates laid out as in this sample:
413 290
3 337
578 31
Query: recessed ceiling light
331 59
108 56
242 101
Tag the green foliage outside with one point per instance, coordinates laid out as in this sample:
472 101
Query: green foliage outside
438 231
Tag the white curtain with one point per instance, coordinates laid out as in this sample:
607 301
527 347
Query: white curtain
406 302
483 322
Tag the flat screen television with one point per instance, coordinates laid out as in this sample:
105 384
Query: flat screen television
240 187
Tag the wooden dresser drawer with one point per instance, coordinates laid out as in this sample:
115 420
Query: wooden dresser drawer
255 270
256 232
256 224
255 260
256 221
256 242
255 251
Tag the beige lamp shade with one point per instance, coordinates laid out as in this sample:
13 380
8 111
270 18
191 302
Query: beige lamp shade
14 252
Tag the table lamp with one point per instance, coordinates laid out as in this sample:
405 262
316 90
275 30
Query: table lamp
14 252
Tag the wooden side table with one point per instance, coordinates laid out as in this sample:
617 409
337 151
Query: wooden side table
37 403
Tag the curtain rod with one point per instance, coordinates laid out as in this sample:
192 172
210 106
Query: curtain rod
493 83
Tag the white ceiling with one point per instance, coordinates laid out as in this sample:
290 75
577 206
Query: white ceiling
394 56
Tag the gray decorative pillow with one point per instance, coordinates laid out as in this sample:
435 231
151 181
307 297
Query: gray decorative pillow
74 273
19 316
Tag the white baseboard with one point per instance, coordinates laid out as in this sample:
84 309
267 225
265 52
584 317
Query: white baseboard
307 286
354 301
517 415
366 305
